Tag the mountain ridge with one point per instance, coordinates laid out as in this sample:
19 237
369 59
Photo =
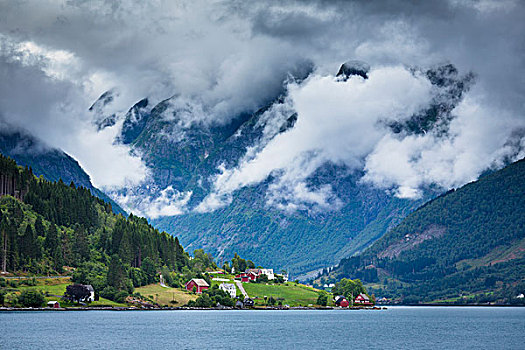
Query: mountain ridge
186 159
466 245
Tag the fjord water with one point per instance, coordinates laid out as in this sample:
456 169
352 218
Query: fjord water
395 328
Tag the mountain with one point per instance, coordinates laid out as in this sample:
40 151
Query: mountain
55 228
186 153
53 164
466 246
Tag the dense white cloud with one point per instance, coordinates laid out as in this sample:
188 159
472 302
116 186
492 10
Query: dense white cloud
477 141
38 96
169 202
338 122
224 57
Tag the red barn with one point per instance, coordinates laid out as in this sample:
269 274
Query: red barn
246 277
341 301
198 283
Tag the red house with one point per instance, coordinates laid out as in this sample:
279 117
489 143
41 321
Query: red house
53 304
198 283
246 277
341 301
362 299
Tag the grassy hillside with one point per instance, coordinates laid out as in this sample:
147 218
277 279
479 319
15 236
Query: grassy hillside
53 289
466 245
288 293
166 296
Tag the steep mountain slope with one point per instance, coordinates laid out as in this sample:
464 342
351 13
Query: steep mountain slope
469 242
187 153
299 242
53 164
53 225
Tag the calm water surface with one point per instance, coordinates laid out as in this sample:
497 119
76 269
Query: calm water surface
395 328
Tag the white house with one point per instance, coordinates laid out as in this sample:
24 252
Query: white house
268 272
91 293
229 288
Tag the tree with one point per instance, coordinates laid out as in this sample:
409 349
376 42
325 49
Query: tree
322 299
262 279
40 230
150 269
349 288
31 298
81 245
77 292
28 245
51 240
117 276
226 267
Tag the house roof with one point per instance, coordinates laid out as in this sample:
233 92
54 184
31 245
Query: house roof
339 299
89 287
364 296
228 285
200 282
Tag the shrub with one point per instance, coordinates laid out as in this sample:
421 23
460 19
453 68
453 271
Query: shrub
13 283
31 298
121 296
322 300
29 282
109 293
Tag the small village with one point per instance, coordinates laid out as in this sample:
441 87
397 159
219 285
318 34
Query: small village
254 288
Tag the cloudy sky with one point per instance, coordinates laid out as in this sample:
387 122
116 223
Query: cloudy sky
58 57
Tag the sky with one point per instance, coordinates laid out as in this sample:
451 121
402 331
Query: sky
227 57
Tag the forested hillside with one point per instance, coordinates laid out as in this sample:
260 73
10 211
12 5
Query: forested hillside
52 164
467 245
59 228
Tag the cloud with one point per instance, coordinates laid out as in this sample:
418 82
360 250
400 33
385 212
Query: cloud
37 96
478 140
221 58
345 123
169 202
338 122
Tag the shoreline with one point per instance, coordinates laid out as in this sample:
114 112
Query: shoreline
376 308
7 309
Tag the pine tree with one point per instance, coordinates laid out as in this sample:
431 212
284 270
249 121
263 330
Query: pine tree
116 276
81 245
40 230
51 240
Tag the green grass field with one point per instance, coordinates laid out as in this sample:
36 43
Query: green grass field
293 295
163 296
54 288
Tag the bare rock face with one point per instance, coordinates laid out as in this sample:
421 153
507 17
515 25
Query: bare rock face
353 67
